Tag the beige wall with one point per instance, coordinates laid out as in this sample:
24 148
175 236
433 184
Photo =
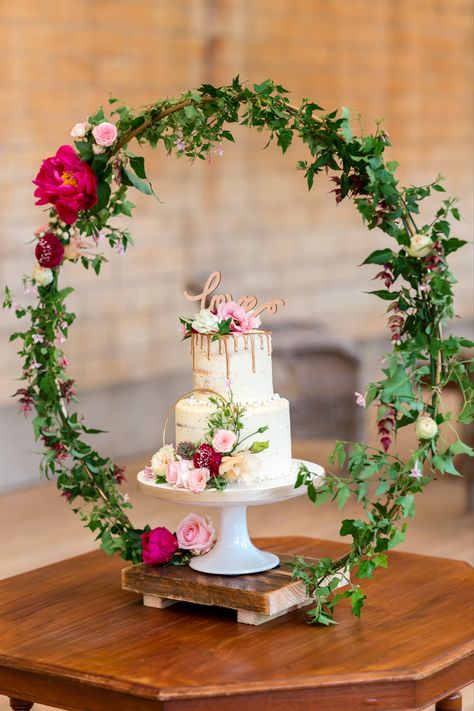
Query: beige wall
247 214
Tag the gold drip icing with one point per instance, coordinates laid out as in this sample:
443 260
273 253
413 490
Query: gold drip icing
220 346
236 343
269 343
208 347
261 341
227 364
252 348
246 342
202 340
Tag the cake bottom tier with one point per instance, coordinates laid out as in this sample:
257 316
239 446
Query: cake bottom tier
191 426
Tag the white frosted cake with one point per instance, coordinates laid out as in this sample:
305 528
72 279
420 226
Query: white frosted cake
241 362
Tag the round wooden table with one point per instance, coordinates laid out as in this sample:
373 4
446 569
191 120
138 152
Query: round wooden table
70 637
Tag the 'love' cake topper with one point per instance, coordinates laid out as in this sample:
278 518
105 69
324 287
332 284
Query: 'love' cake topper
249 303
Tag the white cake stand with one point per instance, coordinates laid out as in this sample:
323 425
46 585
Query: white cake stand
234 553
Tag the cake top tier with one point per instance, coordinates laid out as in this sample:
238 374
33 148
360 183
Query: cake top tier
240 361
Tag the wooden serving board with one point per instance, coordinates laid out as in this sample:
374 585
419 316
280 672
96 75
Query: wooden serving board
258 598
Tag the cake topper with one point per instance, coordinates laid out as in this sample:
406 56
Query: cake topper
249 303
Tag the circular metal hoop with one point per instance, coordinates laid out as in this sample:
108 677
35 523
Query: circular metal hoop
190 392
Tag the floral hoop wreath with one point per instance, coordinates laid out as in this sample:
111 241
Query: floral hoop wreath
85 186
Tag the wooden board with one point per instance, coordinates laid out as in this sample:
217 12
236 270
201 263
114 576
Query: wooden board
258 598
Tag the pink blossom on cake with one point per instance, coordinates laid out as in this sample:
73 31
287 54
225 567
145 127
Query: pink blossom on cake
196 534
197 479
177 473
224 441
68 183
105 134
158 546
242 320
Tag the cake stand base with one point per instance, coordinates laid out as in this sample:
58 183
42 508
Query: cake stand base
234 553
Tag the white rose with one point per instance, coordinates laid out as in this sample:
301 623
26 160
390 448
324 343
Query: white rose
205 322
79 130
42 276
426 428
420 246
162 458
98 149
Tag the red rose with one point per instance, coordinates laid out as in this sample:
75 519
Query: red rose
68 183
207 457
158 546
49 251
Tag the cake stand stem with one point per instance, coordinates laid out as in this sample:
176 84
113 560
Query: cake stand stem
234 553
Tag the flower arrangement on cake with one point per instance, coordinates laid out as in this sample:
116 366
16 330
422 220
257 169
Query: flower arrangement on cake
83 187
225 456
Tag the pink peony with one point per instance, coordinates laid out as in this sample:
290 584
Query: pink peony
197 479
158 546
68 183
196 534
242 320
49 251
177 473
224 441
105 134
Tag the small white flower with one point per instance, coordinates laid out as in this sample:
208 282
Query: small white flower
162 458
420 246
79 130
97 149
42 276
416 472
205 322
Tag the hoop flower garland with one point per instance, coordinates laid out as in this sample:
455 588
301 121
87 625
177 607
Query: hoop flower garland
86 186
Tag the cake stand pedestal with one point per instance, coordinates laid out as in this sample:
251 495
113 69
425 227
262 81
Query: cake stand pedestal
234 553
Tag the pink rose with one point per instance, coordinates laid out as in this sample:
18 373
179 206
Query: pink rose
224 440
241 320
105 134
158 546
68 183
177 473
196 534
197 479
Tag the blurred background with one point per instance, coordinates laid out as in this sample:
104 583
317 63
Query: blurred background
247 214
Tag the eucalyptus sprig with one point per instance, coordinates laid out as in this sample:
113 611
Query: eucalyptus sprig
418 291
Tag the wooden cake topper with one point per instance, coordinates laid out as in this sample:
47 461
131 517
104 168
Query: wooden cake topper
249 303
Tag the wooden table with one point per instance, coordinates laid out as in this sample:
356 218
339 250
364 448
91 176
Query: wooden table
71 637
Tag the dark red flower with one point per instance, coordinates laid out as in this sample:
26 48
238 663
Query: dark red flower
386 427
207 457
68 183
119 474
49 251
26 400
158 546
66 388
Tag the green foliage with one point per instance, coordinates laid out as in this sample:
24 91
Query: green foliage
422 361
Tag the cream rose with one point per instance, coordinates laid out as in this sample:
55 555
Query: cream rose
426 428
224 440
79 130
196 534
42 276
243 465
205 322
420 246
105 134
161 459
197 479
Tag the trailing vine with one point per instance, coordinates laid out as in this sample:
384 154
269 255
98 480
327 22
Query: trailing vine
87 187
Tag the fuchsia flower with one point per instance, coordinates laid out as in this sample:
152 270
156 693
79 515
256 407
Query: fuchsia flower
360 399
25 400
49 251
158 546
196 534
68 183
119 474
386 426
242 320
416 472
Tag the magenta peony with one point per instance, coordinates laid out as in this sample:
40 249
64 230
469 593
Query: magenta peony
196 534
68 183
206 457
49 251
158 546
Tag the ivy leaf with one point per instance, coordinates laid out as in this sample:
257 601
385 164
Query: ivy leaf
142 185
461 448
380 256
346 129
342 495
384 294
453 244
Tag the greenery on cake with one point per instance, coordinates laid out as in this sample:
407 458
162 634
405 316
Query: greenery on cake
86 186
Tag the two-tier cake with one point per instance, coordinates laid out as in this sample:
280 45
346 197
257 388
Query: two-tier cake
231 429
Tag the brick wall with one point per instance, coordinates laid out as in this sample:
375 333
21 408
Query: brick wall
248 213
